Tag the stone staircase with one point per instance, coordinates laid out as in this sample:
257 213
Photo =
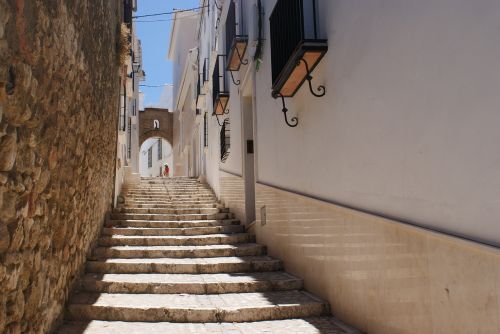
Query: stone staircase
172 259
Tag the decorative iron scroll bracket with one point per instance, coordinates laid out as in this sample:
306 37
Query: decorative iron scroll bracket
294 120
236 82
217 117
321 89
240 56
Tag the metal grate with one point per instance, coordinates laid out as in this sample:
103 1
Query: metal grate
287 31
225 140
218 80
205 130
230 26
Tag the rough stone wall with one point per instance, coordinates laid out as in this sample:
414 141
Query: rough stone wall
58 121
146 129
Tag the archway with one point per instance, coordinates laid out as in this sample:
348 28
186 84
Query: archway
154 153
155 122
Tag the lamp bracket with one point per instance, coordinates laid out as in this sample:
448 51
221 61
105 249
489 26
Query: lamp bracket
321 89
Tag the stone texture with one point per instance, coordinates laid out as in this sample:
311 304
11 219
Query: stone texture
60 58
324 325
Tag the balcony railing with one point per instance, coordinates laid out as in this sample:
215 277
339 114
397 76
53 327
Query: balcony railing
236 41
295 46
220 94
224 140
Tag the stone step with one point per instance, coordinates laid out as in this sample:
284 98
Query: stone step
168 190
138 231
167 195
170 223
250 249
182 211
170 206
227 264
176 240
171 216
315 325
231 307
191 283
171 203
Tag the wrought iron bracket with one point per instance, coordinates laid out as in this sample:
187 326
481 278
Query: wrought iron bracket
321 89
236 82
217 117
294 120
240 57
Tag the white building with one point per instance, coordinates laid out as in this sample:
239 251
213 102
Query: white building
127 159
155 153
383 193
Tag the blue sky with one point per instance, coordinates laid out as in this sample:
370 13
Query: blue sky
154 37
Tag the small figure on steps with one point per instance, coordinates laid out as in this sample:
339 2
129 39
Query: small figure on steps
166 171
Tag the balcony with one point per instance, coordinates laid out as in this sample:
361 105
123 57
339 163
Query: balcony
295 47
236 44
220 95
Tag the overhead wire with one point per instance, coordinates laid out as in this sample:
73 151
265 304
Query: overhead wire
169 13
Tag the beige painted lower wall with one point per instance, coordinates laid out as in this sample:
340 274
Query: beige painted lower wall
232 193
379 275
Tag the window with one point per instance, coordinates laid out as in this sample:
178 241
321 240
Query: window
129 138
156 124
220 94
295 46
236 41
160 153
150 157
224 140
205 130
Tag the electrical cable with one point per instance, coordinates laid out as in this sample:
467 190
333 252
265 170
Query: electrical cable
169 13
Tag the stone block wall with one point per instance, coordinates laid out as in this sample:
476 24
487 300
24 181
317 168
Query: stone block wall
58 120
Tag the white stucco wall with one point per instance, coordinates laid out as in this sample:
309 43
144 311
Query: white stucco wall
409 124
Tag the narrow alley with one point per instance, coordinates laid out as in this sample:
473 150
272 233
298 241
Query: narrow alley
249 167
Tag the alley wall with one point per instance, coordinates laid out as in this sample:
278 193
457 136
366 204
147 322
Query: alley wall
58 123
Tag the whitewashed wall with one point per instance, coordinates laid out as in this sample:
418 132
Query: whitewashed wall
409 125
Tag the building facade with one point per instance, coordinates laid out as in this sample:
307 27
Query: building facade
128 145
357 140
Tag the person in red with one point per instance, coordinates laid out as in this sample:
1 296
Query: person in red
166 171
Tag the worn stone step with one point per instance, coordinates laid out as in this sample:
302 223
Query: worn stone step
168 191
174 240
250 249
192 210
171 202
231 307
138 231
171 196
227 264
170 216
314 325
170 223
171 206
191 283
